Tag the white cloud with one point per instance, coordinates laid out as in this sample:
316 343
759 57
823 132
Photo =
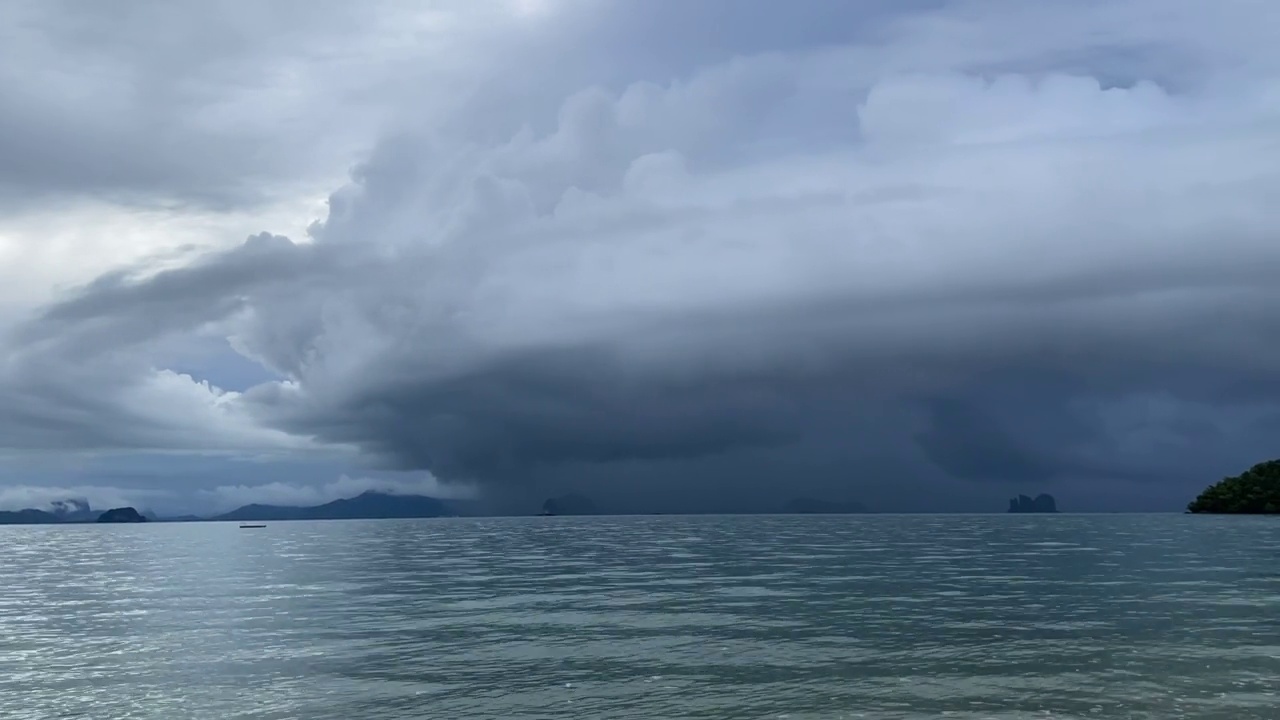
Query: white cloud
41 497
48 250
960 186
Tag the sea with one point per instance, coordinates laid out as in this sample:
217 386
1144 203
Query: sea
662 617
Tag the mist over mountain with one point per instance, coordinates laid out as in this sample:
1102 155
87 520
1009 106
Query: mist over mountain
73 510
76 510
571 504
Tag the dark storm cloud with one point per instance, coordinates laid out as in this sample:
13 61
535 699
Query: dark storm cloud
966 442
548 408
835 260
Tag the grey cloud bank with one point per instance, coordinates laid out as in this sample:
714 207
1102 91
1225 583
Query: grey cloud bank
915 254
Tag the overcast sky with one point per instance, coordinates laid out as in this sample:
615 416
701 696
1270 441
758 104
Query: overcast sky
709 255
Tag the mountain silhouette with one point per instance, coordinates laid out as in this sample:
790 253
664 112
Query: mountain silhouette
366 506
28 516
122 515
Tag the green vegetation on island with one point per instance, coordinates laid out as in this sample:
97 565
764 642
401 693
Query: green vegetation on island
1256 491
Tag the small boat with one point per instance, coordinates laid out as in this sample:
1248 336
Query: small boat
247 527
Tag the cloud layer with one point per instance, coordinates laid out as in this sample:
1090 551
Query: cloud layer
897 251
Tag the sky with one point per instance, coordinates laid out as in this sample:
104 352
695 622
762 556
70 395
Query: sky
703 256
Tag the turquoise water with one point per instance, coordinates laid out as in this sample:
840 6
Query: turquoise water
655 617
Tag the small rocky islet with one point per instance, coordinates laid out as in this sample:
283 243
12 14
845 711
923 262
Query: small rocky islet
1042 503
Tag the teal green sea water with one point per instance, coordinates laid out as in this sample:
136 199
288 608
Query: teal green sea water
970 617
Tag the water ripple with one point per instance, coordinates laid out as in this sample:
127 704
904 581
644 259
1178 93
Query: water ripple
1142 617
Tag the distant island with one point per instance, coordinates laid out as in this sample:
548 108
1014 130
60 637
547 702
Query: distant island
121 515
374 505
1042 503
571 504
1256 491
29 516
370 505
811 506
